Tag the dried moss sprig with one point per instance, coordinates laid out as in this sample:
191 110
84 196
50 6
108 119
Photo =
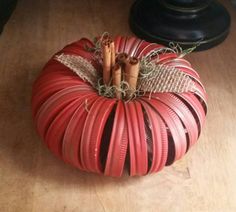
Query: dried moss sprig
190 50
156 52
97 43
183 52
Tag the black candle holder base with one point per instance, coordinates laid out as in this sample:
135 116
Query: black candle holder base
6 9
158 21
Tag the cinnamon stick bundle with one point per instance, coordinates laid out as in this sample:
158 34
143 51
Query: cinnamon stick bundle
119 68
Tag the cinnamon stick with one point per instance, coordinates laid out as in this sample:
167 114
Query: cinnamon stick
106 37
122 58
113 54
106 54
116 79
131 74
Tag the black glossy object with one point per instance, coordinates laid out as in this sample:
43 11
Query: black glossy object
186 22
6 9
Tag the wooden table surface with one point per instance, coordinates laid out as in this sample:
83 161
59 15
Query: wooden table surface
31 179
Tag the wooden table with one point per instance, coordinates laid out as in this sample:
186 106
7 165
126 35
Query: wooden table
31 179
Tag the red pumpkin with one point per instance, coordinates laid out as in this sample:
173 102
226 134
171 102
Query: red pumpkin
99 134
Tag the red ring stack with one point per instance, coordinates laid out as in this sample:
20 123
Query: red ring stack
104 135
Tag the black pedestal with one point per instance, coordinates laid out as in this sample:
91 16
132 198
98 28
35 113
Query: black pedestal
186 22
6 9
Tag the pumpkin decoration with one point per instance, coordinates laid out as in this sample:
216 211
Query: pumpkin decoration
106 105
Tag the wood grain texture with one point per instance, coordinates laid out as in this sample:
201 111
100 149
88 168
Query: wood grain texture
31 179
